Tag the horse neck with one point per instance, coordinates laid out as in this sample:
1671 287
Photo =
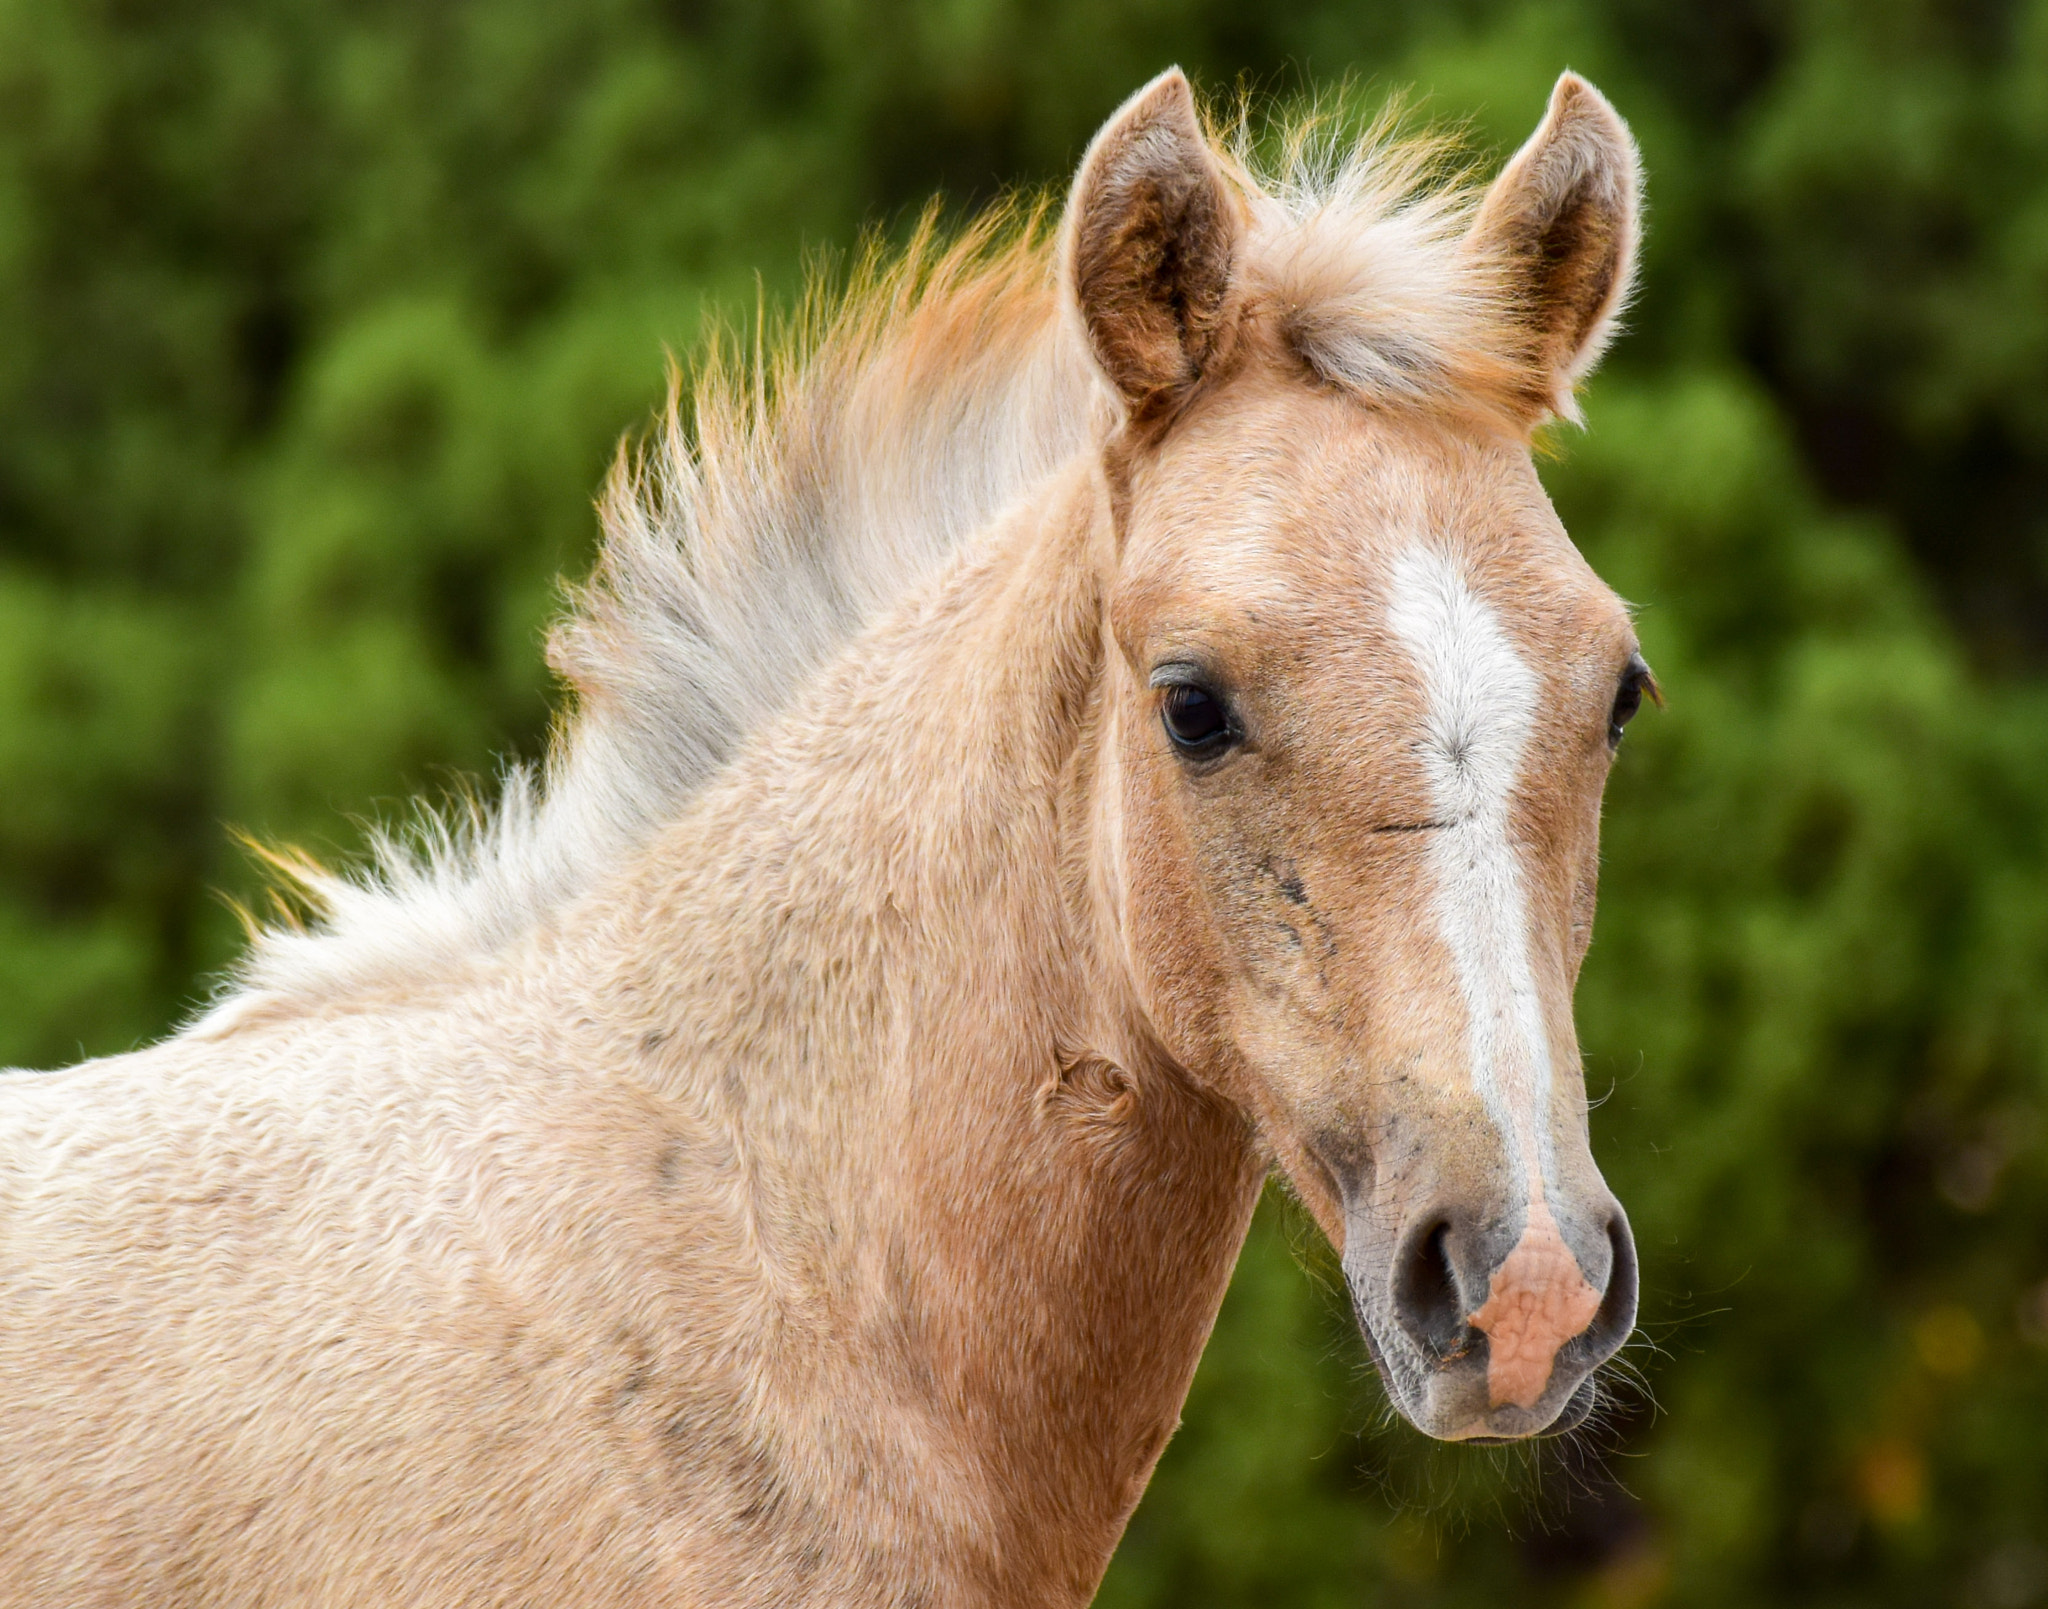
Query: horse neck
873 969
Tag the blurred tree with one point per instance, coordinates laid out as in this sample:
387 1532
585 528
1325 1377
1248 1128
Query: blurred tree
318 322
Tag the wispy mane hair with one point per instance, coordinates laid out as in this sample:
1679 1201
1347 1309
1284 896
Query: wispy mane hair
798 485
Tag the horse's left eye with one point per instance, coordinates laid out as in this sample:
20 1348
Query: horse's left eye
1635 682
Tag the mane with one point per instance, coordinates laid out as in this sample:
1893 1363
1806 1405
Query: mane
789 495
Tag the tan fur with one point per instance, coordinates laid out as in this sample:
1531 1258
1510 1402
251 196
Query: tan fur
815 1184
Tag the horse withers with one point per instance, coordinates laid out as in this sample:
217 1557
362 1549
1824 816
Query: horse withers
1104 717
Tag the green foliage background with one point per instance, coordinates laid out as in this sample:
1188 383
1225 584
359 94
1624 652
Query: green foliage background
318 322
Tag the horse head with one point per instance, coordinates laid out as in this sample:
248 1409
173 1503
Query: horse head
1361 699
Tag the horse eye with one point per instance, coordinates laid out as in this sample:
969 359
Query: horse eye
1195 718
1635 681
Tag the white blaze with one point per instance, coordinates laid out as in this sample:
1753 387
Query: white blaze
1481 704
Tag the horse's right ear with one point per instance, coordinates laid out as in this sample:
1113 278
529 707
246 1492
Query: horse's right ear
1147 243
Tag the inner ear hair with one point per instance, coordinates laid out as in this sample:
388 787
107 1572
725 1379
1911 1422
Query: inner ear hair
1150 232
1562 222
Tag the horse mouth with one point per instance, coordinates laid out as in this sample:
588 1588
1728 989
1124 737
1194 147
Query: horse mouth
1445 1397
1578 1408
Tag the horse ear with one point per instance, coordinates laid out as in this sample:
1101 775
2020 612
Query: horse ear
1562 221
1147 242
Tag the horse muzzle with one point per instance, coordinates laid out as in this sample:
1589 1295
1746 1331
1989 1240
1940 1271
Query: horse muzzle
1488 1327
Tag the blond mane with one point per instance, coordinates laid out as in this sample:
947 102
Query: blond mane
789 497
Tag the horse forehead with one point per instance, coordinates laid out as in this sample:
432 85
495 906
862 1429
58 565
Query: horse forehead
1279 472
1289 498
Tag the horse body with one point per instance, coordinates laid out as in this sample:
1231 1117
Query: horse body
215 1302
830 1200
740 1226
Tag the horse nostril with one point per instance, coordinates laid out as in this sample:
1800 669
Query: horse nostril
1426 1298
1616 1317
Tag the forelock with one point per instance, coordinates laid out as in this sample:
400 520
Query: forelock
1358 251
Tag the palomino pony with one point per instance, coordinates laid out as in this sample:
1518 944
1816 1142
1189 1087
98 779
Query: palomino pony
1114 718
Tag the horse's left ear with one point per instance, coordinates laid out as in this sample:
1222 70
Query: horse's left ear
1147 243
1562 222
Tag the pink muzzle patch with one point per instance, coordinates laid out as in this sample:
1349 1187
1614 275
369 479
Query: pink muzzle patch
1537 1300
